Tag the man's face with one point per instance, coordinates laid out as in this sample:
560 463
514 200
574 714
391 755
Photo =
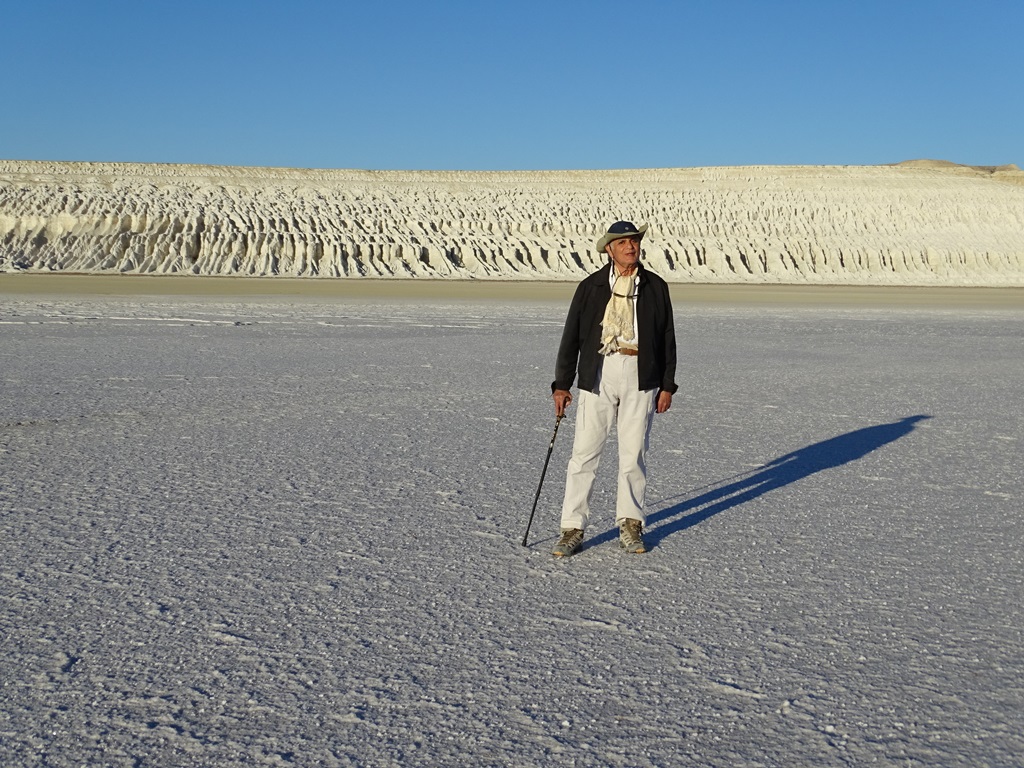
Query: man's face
625 253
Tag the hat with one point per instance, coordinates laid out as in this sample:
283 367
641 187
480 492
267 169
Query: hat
619 230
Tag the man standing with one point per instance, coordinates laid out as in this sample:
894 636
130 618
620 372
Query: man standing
620 338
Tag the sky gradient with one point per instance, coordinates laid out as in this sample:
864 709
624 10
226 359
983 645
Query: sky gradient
477 85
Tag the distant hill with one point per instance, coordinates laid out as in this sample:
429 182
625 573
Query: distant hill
1009 172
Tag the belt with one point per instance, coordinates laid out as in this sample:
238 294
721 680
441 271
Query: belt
627 351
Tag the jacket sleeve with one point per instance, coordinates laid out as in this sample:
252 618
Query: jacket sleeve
668 378
569 348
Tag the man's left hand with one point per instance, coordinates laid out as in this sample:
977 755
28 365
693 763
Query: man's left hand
664 401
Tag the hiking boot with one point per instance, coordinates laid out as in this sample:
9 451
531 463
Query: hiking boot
568 542
629 536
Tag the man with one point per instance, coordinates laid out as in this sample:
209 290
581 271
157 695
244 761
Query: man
620 337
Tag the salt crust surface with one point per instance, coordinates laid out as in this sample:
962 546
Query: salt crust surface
911 224
262 533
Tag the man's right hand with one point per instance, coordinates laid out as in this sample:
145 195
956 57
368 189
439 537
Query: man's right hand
562 398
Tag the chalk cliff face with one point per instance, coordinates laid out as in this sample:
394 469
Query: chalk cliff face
919 223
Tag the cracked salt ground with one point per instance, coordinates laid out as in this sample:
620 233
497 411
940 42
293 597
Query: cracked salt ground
276 534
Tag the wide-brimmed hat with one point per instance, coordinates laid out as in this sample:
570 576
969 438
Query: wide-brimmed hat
619 230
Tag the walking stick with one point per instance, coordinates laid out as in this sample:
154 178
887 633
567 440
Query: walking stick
551 447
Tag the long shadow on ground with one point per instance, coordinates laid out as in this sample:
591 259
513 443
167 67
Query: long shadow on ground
791 468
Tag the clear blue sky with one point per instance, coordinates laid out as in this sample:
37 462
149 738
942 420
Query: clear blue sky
474 85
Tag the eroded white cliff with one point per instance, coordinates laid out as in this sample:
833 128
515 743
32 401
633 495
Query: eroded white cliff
913 224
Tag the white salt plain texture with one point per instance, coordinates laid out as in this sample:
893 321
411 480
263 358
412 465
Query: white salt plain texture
281 533
917 223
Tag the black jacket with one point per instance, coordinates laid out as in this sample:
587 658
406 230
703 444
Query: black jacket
581 337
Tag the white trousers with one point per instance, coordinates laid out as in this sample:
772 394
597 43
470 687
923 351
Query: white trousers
618 403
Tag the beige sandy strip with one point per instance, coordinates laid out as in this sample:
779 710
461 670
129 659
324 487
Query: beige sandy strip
309 289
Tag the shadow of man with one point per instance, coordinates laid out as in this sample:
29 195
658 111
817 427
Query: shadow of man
784 470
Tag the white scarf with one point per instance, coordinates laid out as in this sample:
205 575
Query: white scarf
618 315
